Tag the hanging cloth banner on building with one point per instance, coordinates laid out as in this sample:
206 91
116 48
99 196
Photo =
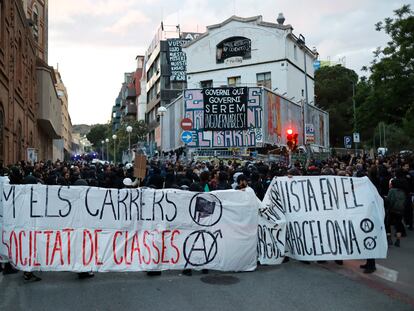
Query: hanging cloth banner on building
323 218
177 59
54 228
225 108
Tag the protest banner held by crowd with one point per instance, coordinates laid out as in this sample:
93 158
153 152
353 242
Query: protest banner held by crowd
324 210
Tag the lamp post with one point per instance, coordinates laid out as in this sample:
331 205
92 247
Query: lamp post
161 112
107 149
354 112
103 150
114 138
129 130
301 41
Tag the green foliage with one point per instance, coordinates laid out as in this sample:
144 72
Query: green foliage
98 133
391 136
138 135
388 95
333 89
385 97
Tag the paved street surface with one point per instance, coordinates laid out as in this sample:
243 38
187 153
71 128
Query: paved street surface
291 286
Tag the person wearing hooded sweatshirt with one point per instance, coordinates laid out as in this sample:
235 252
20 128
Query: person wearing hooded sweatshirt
235 176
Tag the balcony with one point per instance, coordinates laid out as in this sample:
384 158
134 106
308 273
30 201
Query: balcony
131 93
50 106
131 109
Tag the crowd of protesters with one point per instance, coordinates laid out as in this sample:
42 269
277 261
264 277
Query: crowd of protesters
393 176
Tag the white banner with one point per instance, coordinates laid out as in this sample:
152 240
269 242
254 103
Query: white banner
54 228
325 218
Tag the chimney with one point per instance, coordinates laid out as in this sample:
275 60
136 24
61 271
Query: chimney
280 19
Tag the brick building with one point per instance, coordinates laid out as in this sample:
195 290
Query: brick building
18 104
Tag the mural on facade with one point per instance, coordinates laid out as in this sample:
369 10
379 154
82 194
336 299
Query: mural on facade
194 109
274 118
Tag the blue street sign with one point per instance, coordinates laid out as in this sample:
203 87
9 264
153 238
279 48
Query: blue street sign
348 142
186 137
316 64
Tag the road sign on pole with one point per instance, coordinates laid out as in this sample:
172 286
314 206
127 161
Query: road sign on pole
186 124
348 142
356 138
309 133
186 137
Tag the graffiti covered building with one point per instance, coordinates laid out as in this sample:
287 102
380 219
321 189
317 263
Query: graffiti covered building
268 116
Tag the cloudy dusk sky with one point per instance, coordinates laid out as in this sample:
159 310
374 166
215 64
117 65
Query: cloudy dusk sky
96 41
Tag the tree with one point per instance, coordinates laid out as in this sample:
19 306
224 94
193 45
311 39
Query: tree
138 135
98 133
388 95
333 89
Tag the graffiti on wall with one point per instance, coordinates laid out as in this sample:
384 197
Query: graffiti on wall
194 109
274 118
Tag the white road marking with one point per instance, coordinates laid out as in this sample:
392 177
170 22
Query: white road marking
386 273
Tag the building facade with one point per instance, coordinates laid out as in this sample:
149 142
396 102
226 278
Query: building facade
125 107
252 52
18 98
66 121
165 71
139 85
267 117
37 15
49 118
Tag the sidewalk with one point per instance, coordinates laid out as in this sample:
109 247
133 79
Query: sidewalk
394 275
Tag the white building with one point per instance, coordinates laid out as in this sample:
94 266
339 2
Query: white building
250 52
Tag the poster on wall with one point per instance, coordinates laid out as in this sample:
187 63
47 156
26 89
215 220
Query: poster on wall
225 108
32 155
274 118
177 59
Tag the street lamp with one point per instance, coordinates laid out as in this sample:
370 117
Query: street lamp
114 138
103 150
161 112
129 130
301 41
107 149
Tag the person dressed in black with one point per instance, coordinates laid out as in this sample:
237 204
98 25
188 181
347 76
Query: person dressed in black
396 204
222 183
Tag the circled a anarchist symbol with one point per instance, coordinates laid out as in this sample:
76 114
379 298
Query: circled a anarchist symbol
370 243
205 209
200 247
367 225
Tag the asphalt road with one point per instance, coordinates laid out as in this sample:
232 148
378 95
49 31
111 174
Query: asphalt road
291 286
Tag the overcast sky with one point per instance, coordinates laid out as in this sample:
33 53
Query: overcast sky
96 41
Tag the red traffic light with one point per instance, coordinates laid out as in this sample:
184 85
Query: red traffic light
291 139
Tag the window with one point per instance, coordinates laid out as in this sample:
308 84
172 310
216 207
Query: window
19 63
206 83
36 22
233 81
295 52
264 79
31 139
166 81
19 141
